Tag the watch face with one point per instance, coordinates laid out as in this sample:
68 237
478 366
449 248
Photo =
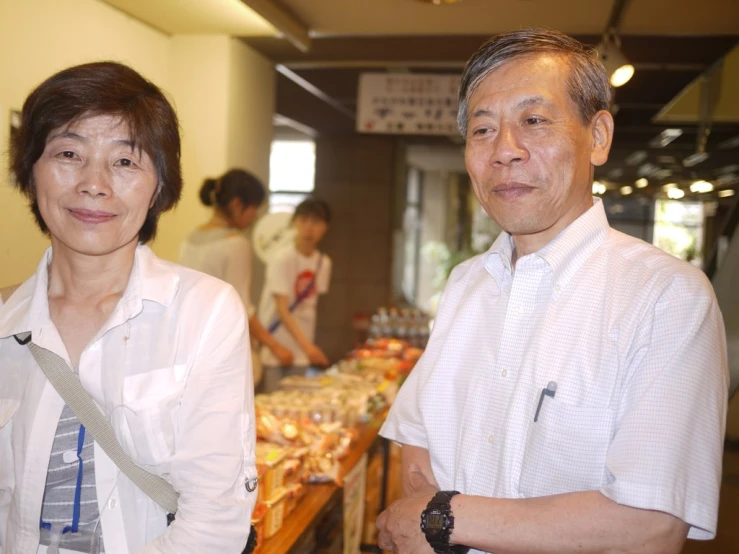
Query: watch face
435 522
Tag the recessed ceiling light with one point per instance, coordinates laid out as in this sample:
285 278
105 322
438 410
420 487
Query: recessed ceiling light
669 186
647 170
626 190
701 187
641 183
665 138
695 159
731 168
675 193
730 143
726 193
598 187
727 179
636 157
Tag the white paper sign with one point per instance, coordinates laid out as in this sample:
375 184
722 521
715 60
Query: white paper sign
355 483
407 104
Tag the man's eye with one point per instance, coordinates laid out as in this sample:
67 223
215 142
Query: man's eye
533 120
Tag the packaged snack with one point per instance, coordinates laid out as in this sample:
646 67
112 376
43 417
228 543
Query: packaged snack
275 513
294 495
270 463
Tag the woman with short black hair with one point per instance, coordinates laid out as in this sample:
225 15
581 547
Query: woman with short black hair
161 350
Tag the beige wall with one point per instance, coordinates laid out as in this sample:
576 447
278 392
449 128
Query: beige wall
251 107
222 90
37 38
199 74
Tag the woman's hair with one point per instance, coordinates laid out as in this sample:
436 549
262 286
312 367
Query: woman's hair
94 89
314 207
587 82
235 183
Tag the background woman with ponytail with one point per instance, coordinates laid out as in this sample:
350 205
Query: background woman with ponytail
219 247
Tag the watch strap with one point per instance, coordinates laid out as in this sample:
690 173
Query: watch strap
442 502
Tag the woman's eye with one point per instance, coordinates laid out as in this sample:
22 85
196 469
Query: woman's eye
67 154
125 162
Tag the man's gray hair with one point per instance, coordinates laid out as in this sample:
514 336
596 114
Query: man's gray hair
587 83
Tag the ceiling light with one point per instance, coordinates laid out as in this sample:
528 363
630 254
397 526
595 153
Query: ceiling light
636 157
641 183
598 187
695 159
647 169
728 169
669 186
726 193
730 143
701 187
626 190
618 68
727 179
675 193
665 138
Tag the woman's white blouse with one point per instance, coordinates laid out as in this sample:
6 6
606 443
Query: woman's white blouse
171 370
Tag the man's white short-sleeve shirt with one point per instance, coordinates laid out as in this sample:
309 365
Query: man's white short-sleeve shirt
631 338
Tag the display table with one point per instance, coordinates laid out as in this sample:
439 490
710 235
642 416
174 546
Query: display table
320 497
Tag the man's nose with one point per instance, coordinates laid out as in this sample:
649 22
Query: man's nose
507 147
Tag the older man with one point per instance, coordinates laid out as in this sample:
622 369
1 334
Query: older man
573 394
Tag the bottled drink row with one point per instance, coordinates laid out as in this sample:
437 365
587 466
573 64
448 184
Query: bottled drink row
410 325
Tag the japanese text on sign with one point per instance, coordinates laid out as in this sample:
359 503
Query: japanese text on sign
409 104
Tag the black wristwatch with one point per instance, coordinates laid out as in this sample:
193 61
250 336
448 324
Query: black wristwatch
437 522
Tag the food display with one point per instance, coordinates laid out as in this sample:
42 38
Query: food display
308 426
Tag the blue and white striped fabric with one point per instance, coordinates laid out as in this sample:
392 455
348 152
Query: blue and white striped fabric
61 482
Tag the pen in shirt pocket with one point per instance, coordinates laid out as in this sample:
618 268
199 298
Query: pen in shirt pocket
550 390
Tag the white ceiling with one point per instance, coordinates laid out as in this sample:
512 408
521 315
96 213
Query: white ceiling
230 17
411 17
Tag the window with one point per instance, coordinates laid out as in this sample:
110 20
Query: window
678 229
412 234
292 170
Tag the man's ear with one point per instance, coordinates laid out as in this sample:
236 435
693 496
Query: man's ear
602 130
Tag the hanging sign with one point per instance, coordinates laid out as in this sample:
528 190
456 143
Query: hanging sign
407 104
